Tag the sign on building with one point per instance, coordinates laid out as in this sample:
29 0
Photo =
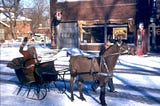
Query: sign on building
120 32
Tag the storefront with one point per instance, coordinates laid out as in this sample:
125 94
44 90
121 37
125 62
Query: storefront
94 36
98 21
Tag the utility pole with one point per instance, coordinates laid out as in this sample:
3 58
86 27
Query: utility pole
153 23
56 19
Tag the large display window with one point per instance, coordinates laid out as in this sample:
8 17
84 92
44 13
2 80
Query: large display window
93 34
102 33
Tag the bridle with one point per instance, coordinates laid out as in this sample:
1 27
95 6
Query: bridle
103 62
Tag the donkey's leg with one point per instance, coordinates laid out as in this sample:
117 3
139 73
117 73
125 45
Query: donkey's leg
102 95
80 90
72 81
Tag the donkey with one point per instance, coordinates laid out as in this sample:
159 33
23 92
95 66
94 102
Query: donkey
97 68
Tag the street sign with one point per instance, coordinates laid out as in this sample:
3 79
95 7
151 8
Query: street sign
59 15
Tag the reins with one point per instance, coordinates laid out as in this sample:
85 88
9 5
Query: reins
105 64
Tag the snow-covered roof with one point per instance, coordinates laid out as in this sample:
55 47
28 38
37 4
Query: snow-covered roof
4 24
5 16
23 18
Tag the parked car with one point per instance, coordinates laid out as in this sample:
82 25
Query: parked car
40 38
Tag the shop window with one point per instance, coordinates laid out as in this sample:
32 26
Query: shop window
113 32
96 34
93 35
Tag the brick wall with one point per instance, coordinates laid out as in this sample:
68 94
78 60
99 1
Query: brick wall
96 9
22 29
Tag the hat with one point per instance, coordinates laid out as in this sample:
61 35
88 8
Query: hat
108 43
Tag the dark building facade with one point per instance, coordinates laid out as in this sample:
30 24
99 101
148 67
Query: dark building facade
90 23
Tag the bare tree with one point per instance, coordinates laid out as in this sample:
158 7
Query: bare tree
39 13
12 10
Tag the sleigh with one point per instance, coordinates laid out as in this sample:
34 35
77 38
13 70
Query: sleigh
86 68
37 89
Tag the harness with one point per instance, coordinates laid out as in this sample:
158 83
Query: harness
91 71
102 62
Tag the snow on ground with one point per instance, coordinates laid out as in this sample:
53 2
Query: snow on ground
136 79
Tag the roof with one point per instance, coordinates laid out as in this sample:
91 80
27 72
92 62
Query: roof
4 24
5 16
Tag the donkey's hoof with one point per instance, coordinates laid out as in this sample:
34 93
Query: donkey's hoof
82 98
72 99
104 104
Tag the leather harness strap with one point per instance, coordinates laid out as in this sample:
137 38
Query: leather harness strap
91 68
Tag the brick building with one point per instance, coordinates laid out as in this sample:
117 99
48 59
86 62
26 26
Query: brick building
89 23
22 27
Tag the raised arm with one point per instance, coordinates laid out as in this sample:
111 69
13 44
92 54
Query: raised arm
23 44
